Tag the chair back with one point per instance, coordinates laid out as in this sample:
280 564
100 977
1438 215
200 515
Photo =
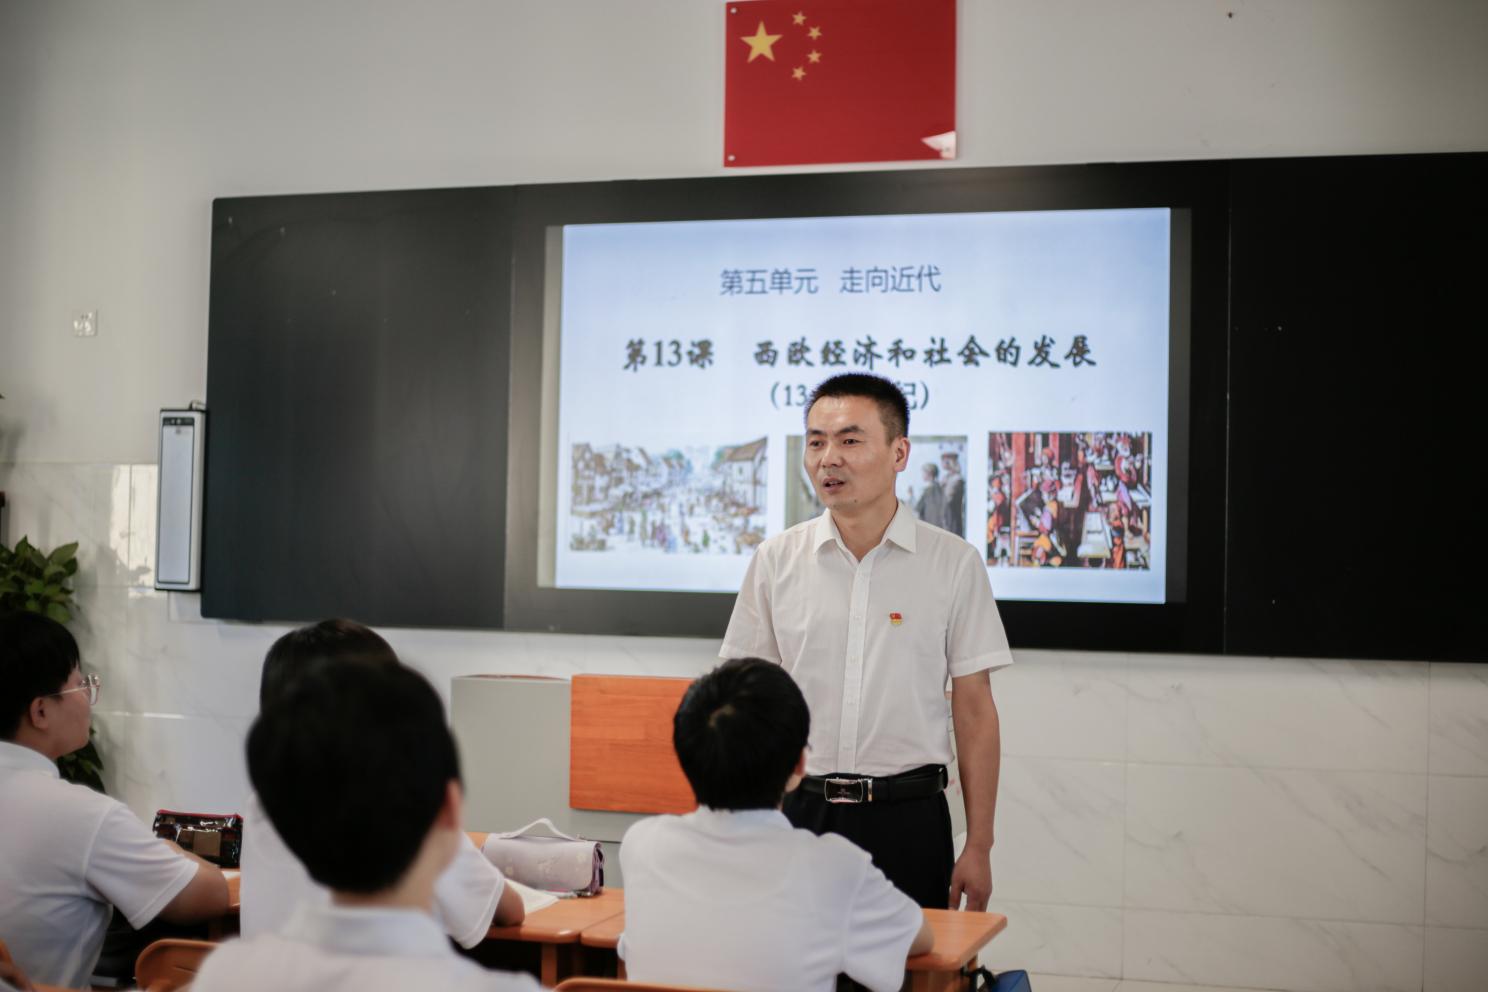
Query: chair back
5 957
616 985
170 964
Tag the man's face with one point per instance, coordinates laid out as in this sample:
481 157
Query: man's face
71 714
849 455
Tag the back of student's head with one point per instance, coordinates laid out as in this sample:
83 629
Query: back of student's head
37 655
298 651
352 763
739 733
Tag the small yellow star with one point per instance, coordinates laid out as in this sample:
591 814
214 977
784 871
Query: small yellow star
760 43
799 18
814 56
813 34
798 74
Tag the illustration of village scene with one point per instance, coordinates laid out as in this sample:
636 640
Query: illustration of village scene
932 486
1069 500
705 500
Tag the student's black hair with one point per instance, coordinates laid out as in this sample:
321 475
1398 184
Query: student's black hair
37 656
351 764
893 408
739 732
294 654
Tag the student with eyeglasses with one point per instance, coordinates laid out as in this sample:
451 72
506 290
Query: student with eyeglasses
68 855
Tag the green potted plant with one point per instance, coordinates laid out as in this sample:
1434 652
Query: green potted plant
38 582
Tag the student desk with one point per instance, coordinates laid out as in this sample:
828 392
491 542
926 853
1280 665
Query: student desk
557 929
226 925
234 878
959 937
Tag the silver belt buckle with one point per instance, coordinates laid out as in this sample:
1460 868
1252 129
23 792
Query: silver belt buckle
847 790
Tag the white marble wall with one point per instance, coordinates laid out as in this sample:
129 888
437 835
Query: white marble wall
1246 822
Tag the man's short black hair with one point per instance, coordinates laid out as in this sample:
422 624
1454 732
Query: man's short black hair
37 656
739 732
297 651
351 764
893 408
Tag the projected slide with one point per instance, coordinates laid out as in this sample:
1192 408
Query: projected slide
1032 347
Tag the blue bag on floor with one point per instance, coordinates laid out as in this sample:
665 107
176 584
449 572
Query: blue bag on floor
1007 981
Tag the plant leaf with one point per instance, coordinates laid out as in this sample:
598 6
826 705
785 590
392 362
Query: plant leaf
63 553
58 612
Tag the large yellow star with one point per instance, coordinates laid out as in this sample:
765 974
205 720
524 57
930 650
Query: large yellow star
760 44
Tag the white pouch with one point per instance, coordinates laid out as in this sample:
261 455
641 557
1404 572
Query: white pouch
558 863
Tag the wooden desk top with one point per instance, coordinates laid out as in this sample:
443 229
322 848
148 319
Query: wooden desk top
234 878
958 937
605 933
564 921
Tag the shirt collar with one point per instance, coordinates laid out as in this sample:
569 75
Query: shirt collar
368 930
825 531
901 529
738 819
19 758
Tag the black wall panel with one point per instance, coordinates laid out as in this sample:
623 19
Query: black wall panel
1356 496
357 377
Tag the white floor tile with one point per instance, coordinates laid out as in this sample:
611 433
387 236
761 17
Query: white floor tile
1066 983
1166 987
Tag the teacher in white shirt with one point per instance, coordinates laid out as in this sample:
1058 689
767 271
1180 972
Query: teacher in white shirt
872 611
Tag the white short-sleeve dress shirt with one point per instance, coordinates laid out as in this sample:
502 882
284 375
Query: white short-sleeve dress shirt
67 855
742 901
275 885
871 643
342 949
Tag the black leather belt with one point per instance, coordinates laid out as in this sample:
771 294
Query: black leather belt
917 783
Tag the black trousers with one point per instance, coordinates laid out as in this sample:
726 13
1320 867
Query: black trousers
910 841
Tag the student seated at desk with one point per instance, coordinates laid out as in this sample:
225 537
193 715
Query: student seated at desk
69 854
469 896
731 896
355 764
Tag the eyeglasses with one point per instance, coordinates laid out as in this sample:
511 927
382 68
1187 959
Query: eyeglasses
90 686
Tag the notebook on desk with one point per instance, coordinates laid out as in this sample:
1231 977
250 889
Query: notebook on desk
532 899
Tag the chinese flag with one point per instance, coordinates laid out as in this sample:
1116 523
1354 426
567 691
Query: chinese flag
839 81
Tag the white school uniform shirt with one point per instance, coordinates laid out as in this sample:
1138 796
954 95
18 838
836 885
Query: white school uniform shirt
67 856
741 900
329 948
275 884
871 643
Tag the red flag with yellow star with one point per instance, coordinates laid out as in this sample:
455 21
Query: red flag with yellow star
839 81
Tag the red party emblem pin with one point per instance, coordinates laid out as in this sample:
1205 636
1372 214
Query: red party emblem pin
896 618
